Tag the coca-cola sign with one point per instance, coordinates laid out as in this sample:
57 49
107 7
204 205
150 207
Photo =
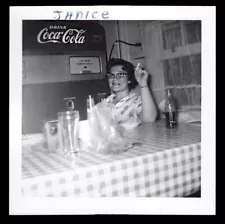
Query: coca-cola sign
61 34
59 37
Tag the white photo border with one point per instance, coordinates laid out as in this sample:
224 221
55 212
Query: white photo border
193 206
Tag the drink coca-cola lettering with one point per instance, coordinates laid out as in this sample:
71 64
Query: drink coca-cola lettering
71 36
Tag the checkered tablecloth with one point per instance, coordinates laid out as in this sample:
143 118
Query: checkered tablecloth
166 164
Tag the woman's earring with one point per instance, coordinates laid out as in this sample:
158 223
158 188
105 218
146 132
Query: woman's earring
129 81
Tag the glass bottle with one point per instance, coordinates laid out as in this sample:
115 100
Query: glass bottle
90 104
170 110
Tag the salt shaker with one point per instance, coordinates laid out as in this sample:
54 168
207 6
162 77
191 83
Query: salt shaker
70 103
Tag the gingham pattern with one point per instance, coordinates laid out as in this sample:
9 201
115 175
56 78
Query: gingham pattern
167 164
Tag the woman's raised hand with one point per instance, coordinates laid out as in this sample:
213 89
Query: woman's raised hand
141 76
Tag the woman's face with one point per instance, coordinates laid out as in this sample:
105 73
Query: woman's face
118 79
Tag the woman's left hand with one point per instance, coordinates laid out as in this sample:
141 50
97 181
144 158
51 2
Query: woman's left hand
141 76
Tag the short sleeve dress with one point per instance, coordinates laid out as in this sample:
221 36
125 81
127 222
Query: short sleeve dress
127 110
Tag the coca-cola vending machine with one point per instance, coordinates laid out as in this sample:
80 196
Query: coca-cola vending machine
61 59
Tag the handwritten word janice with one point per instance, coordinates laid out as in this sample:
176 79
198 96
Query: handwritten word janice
79 15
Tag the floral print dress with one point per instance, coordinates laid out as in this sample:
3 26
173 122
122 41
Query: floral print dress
127 110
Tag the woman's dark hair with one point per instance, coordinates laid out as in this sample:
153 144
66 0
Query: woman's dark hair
127 66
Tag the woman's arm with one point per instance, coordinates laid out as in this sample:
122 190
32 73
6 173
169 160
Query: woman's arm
149 110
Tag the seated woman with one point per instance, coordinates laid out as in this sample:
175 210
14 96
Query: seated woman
130 108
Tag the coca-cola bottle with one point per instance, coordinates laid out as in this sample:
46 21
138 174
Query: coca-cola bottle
170 110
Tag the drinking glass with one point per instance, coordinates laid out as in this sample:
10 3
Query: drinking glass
68 124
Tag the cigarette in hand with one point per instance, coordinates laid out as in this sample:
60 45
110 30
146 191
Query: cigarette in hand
138 65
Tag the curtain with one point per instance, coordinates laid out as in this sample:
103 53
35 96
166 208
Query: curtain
182 73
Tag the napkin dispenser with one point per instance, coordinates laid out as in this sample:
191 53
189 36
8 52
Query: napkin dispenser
52 135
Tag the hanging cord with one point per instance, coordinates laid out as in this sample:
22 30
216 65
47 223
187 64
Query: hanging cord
124 42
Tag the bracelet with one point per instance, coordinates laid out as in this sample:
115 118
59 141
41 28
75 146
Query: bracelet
144 86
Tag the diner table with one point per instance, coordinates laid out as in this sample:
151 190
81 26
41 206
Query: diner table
163 163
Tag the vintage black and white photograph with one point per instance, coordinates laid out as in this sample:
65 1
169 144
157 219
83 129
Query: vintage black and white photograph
111 108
